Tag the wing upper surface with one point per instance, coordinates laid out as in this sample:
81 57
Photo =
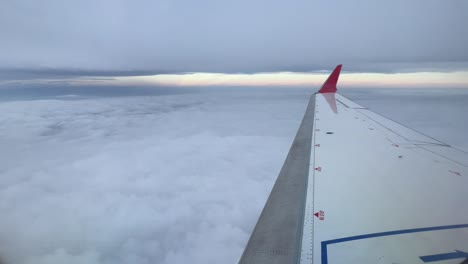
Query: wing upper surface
380 192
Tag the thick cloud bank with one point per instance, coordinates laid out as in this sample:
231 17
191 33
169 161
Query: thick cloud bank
144 179
157 179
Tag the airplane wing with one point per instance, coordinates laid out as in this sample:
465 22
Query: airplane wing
357 187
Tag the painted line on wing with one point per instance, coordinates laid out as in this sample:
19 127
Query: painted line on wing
325 243
445 256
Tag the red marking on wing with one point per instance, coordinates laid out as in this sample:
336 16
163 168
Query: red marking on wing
318 169
330 84
320 214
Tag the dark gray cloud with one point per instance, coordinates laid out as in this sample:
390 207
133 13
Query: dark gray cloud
233 36
31 73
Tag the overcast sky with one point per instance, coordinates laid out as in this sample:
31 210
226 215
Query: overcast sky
117 37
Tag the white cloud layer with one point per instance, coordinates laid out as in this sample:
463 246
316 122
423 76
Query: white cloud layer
150 179
160 179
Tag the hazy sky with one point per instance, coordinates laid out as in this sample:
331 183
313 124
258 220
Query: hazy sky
57 39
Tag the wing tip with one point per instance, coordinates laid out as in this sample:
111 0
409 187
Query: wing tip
330 84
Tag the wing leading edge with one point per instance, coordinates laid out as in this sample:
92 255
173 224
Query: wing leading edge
277 236
357 187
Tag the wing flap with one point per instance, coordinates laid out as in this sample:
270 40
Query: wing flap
446 152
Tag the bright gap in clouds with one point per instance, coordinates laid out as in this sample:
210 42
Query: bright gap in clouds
458 79
455 79
177 178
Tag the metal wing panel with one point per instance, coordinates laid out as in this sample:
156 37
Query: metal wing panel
379 195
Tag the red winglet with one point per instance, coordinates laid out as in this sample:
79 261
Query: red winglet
330 84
